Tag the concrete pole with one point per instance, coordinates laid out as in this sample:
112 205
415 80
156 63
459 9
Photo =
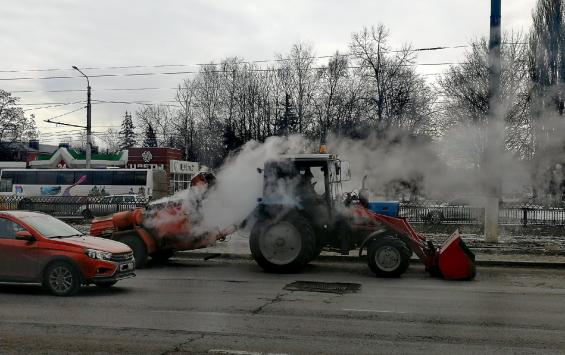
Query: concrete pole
88 129
495 129
88 119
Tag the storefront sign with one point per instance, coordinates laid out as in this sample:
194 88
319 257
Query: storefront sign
146 156
183 167
147 166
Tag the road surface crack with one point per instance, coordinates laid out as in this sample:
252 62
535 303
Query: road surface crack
178 348
278 298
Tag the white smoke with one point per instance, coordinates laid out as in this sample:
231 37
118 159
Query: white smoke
239 184
438 168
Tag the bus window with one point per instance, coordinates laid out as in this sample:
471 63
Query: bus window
65 177
47 177
102 177
124 177
89 177
28 177
140 178
6 185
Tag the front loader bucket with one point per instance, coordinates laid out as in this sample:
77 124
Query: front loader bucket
455 261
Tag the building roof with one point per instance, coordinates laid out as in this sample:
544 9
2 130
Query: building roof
74 159
24 147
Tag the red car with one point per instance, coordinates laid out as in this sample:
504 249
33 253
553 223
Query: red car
38 248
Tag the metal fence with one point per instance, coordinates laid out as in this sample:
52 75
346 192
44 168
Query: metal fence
434 213
73 206
429 213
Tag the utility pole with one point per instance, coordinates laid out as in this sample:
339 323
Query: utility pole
88 120
495 129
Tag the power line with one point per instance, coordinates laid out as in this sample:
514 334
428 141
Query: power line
197 72
138 102
66 113
52 106
212 63
94 90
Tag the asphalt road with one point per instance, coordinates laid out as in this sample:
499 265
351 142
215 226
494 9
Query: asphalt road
232 307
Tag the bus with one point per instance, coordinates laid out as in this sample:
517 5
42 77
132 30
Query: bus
78 182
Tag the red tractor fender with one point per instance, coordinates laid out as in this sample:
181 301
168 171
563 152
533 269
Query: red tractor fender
147 239
372 236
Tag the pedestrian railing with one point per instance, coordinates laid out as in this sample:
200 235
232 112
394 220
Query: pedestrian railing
437 213
72 206
428 212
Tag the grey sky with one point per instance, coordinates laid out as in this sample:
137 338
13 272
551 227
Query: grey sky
58 34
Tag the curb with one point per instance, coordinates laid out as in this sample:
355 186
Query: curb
355 259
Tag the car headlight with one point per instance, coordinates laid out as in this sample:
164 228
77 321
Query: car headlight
98 254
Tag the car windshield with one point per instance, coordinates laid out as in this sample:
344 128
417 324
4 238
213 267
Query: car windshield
50 227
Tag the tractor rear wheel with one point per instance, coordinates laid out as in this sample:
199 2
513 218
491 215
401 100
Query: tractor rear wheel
388 256
283 246
137 246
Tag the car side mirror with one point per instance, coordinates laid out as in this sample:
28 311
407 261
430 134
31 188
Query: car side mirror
25 235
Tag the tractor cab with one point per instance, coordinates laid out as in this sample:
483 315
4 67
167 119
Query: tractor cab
310 183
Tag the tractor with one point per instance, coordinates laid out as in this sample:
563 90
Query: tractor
304 211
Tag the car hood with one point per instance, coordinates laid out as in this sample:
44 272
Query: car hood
97 243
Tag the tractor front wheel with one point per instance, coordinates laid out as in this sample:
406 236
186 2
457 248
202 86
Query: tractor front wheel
388 256
283 246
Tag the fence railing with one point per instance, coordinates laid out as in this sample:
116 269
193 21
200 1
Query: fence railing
443 213
73 206
431 213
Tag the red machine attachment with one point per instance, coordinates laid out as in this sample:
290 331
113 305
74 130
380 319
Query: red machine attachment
452 261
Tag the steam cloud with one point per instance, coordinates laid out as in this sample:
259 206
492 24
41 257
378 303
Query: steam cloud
436 167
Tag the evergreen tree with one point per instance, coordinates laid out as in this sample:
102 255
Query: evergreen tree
127 134
231 140
150 139
288 120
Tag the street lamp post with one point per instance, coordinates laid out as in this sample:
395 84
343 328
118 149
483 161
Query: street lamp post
88 120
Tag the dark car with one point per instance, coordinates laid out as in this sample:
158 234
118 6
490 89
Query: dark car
38 248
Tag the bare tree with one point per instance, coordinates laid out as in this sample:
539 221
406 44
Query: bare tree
465 99
186 120
297 76
160 118
397 96
14 125
113 140
330 95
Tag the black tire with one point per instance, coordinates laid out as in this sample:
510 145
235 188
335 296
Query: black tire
105 284
265 243
317 252
388 256
137 246
162 256
87 214
62 278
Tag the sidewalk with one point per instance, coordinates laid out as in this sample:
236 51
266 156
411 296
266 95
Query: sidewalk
543 252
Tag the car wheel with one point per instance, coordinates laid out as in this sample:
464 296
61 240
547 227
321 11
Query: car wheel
162 256
62 279
105 284
388 257
137 246
87 214
283 246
